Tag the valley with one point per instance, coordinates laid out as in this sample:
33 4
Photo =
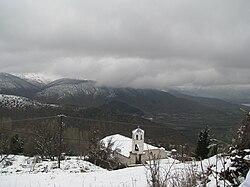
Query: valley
185 115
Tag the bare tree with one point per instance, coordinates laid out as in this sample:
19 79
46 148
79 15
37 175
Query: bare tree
160 176
154 178
46 139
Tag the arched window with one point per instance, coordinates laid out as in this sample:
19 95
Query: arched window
136 147
137 137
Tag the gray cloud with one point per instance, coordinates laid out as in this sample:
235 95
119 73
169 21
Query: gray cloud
140 43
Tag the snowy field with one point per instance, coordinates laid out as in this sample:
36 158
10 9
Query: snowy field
76 172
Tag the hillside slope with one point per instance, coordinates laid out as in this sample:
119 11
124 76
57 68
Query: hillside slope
13 85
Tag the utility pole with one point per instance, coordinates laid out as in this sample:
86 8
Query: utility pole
79 144
61 116
182 159
183 146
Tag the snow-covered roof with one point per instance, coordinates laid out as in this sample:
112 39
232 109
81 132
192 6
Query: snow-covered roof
125 144
138 130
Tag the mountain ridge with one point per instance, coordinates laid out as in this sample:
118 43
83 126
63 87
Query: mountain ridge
175 110
13 85
86 93
187 114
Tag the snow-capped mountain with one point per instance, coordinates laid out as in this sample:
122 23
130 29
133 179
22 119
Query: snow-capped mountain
87 93
13 85
38 80
65 89
8 81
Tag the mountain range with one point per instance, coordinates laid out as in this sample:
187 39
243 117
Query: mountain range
174 109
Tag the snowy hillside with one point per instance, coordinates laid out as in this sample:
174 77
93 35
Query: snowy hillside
75 172
24 171
66 88
16 164
11 101
39 80
8 81
13 85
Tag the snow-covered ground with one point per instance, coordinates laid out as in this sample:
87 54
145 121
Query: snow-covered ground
246 104
26 171
33 165
246 182
75 172
12 101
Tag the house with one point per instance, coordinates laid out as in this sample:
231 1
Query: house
134 150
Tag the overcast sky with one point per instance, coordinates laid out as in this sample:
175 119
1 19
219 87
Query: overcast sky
138 43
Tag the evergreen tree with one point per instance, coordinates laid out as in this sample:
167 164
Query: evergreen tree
16 145
5 135
202 149
243 134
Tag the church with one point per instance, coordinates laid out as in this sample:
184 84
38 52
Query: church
134 150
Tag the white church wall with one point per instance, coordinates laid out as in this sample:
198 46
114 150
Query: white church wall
138 141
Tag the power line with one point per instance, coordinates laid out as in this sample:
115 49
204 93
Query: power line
31 133
73 139
17 132
61 123
96 120
105 122
117 122
86 119
29 119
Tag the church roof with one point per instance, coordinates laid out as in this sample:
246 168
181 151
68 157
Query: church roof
125 144
138 130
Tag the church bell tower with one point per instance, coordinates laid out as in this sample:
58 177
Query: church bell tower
137 141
